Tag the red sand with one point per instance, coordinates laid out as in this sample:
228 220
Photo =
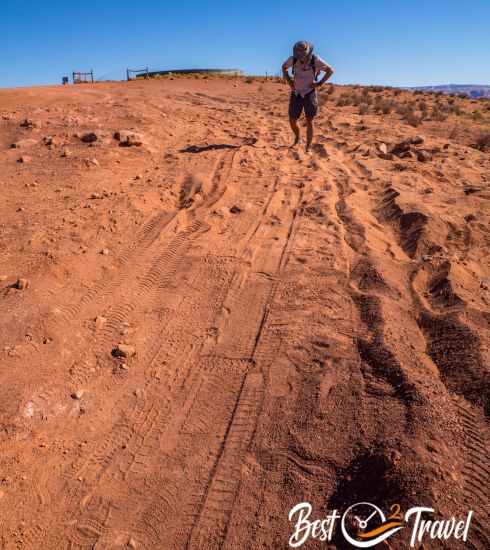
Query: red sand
305 327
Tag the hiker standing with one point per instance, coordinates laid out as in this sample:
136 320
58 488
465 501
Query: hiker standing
305 68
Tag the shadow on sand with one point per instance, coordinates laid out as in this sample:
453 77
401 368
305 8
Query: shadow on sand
202 148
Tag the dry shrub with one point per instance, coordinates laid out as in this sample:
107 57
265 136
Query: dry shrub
363 108
454 133
482 142
403 109
412 119
342 102
386 106
438 115
382 105
356 99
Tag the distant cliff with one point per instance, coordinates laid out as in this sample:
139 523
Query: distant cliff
471 90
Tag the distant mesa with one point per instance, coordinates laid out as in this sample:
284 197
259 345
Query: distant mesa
471 90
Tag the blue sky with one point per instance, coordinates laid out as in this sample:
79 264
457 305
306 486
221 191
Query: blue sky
369 42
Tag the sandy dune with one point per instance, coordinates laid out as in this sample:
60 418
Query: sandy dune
292 327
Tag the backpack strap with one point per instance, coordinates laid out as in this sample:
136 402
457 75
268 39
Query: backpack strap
313 66
294 63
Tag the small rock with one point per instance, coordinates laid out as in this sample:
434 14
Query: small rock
423 156
77 394
406 155
96 196
132 544
28 123
401 147
123 350
51 140
21 284
395 456
470 189
66 153
100 321
382 148
138 177
235 209
89 137
427 191
417 140
23 143
127 138
105 251
470 218
24 159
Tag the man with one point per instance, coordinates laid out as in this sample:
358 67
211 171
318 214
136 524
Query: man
305 67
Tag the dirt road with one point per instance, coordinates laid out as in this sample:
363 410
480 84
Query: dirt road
292 327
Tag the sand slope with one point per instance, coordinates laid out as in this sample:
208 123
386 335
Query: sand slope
305 327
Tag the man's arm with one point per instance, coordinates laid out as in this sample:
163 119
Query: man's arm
328 73
285 72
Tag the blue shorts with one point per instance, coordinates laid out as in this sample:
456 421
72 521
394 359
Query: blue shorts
309 103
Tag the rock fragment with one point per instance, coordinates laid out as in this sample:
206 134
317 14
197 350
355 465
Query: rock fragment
28 123
127 138
21 284
417 140
89 137
100 321
423 156
124 351
23 143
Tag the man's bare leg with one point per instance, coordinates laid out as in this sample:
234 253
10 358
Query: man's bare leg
309 133
295 128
